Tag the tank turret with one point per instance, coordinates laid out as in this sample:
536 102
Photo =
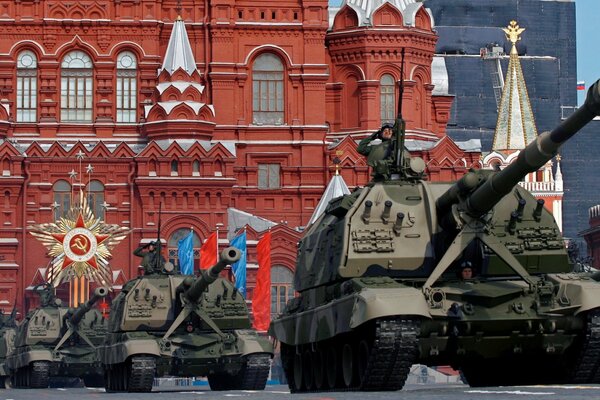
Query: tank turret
227 257
381 287
182 325
80 312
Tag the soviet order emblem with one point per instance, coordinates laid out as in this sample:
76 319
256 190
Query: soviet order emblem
80 245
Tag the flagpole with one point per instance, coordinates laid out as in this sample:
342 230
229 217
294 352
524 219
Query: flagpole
217 259
192 250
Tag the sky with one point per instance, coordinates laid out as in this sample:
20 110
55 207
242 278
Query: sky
588 54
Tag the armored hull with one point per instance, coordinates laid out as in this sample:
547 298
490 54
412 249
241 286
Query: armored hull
171 324
380 285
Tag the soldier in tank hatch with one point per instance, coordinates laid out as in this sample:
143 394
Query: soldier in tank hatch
466 270
377 151
149 258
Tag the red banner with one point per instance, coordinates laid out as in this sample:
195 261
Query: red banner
261 298
209 252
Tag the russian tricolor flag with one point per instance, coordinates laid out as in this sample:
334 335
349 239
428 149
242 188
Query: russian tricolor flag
580 85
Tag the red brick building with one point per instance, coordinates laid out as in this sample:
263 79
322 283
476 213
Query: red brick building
592 237
237 105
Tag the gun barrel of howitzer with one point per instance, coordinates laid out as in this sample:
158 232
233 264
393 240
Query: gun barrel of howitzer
533 157
228 256
79 313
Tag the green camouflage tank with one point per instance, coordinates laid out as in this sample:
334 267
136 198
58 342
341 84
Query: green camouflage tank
58 341
378 276
7 338
178 325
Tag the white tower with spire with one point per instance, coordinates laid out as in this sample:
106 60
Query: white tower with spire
515 129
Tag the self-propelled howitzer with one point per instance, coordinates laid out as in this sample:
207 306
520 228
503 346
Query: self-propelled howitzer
180 325
58 341
378 276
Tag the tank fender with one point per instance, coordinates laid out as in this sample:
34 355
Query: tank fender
250 342
118 353
578 290
372 303
22 359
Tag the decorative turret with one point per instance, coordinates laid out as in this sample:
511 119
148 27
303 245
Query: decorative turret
516 128
336 188
181 109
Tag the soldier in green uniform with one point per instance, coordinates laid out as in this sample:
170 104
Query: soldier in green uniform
378 153
149 258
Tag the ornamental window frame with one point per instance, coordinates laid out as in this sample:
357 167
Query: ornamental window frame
95 198
27 87
77 88
62 195
126 88
387 98
282 288
268 90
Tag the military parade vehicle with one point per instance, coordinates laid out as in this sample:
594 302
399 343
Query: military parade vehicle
379 284
58 341
165 323
7 337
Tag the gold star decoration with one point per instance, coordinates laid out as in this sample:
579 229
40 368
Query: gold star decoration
80 245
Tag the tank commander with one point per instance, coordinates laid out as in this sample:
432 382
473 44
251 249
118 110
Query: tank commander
47 295
149 258
380 150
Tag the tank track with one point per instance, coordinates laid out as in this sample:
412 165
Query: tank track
393 350
252 376
586 368
40 374
255 372
141 374
35 376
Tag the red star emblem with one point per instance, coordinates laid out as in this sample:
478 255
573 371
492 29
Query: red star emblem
80 244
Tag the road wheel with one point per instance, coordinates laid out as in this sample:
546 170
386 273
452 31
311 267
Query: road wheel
318 369
348 364
298 372
331 367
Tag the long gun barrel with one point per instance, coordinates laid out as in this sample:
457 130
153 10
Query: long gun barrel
228 256
532 158
79 313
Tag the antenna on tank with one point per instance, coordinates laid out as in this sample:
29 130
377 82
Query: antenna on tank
399 124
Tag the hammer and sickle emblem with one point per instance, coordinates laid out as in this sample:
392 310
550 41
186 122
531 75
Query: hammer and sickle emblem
77 243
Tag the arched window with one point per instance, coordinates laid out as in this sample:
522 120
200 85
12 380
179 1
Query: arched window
126 87
95 192
196 168
76 87
267 90
26 86
387 98
174 168
62 198
281 288
173 246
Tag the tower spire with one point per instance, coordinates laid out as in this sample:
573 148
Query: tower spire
515 127
179 50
